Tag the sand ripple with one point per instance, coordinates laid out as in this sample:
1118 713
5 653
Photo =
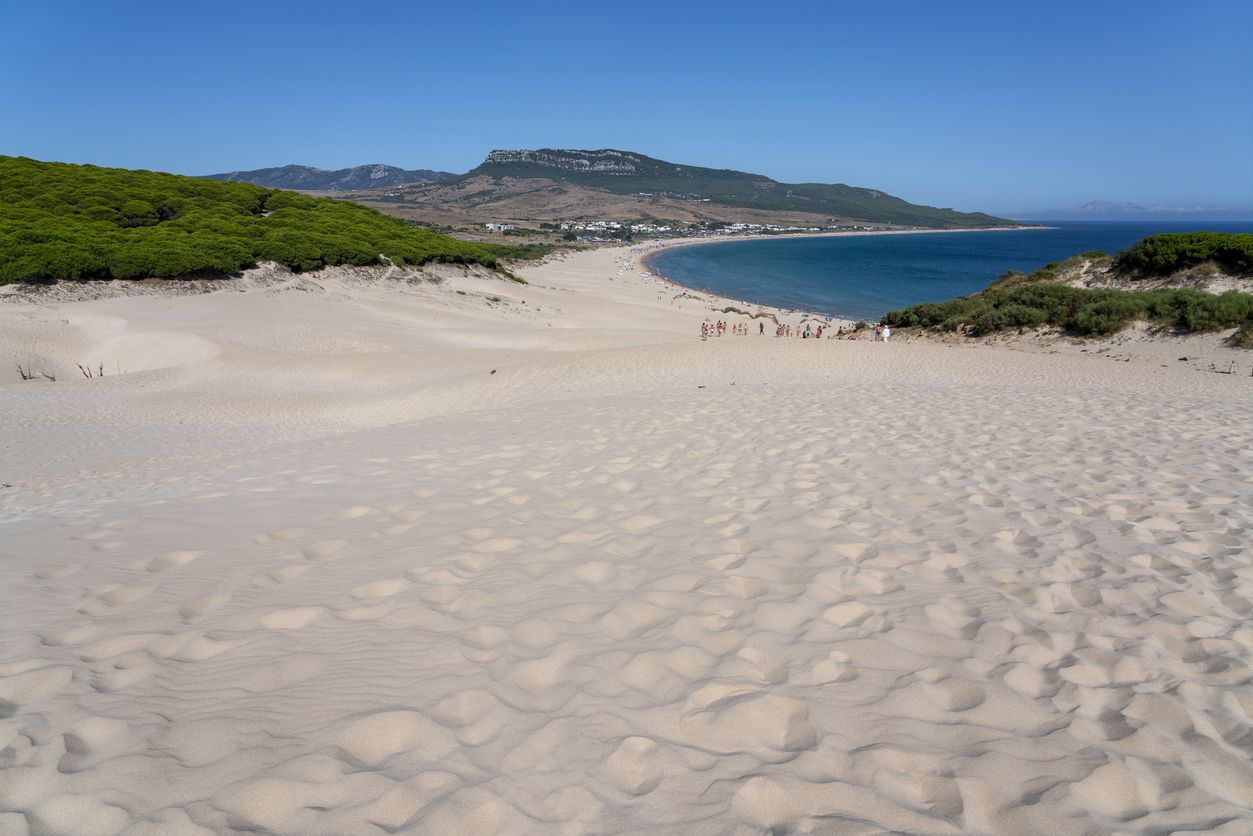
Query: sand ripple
779 610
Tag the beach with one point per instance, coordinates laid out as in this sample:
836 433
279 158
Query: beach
365 551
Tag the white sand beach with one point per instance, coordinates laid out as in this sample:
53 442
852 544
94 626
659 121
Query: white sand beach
354 553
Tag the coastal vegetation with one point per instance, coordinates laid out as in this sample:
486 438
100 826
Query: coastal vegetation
1018 301
64 221
1162 255
523 252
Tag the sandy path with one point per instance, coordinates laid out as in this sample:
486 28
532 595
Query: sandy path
866 588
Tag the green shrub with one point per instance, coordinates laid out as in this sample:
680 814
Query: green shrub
1080 311
1168 253
1009 316
1106 316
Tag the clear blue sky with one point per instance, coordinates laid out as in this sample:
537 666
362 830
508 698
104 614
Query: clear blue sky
999 106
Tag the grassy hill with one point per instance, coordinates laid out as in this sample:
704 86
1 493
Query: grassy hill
1045 297
63 221
623 172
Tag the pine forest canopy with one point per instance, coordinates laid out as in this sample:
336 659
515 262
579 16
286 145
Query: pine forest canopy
65 221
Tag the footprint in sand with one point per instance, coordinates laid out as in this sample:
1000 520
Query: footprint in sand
924 783
194 608
836 667
956 618
172 561
634 766
380 589
91 741
496 545
282 536
766 665
283 574
51 573
727 718
476 716
26 682
375 738
766 805
948 693
106 598
323 549
484 643
76 814
1032 681
848 614
631 618
352 513
368 612
67 636
126 671
291 619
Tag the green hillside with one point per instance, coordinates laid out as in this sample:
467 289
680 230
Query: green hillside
623 172
63 221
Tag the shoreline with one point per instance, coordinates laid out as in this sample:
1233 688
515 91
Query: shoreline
645 259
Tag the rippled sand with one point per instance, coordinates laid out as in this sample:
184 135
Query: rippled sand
643 584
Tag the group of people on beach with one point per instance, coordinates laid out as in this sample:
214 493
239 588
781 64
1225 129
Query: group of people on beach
716 329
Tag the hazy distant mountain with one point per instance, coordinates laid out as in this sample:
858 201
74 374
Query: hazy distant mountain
1112 210
376 176
638 176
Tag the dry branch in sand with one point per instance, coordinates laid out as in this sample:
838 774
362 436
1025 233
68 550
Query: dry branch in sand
27 373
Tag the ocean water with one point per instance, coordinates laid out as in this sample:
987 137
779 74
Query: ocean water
867 276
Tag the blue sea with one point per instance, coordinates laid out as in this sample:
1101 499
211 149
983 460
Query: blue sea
864 277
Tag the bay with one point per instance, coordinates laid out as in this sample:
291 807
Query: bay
864 277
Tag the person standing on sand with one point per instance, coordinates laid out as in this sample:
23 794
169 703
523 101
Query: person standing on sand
887 332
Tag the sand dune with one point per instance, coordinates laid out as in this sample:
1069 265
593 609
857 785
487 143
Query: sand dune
309 566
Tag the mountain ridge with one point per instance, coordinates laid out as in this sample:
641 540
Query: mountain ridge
1122 210
309 178
627 172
